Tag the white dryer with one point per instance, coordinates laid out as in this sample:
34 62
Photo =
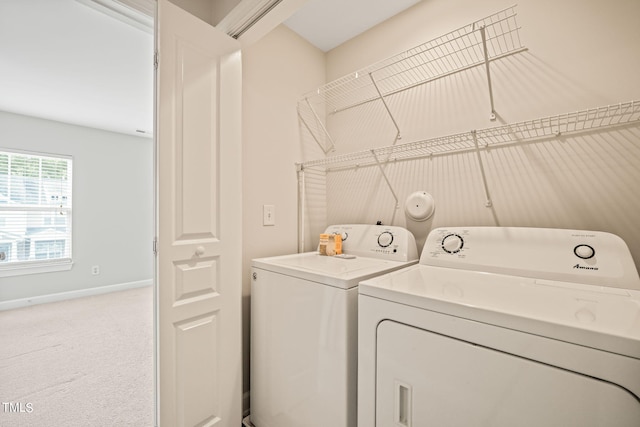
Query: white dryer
503 327
304 327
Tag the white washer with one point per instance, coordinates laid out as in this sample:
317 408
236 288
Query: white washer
304 327
503 327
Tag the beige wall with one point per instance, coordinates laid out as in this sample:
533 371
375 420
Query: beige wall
581 54
276 71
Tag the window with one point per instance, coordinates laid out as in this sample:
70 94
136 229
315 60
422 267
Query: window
35 212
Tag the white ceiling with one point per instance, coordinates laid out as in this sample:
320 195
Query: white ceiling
62 60
329 23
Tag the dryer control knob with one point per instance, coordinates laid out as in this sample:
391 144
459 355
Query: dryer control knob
385 239
452 243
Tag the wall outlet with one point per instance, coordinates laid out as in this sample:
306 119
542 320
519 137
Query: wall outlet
268 215
95 270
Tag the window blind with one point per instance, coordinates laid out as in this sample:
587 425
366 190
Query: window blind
35 209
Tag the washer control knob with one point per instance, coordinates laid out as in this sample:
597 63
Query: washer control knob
385 239
452 243
584 251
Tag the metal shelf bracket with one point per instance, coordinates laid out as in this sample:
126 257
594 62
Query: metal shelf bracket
301 205
324 149
384 175
386 106
488 202
483 34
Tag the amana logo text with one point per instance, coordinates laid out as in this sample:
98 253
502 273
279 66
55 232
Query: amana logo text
578 266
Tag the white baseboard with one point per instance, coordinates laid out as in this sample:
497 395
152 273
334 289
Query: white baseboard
43 299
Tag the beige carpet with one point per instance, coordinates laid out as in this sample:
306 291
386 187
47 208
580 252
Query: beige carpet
84 362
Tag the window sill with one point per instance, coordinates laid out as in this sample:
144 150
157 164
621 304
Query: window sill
35 268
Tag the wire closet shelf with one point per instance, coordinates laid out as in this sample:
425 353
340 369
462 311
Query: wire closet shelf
470 46
548 127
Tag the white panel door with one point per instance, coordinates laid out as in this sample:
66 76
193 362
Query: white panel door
199 223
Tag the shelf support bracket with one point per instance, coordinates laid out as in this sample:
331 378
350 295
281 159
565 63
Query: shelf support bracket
386 106
488 202
483 34
393 193
301 204
324 149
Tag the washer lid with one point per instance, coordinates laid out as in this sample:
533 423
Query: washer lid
335 271
594 316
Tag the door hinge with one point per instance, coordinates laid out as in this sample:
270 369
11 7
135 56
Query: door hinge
156 60
155 246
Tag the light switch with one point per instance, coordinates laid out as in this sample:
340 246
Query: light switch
268 215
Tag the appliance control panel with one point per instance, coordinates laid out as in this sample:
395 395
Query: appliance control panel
590 257
376 241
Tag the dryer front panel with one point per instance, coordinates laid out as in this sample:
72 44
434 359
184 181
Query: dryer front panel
424 379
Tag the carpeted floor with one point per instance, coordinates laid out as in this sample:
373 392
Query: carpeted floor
86 362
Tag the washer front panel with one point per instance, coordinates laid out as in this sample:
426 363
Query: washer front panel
303 352
441 381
